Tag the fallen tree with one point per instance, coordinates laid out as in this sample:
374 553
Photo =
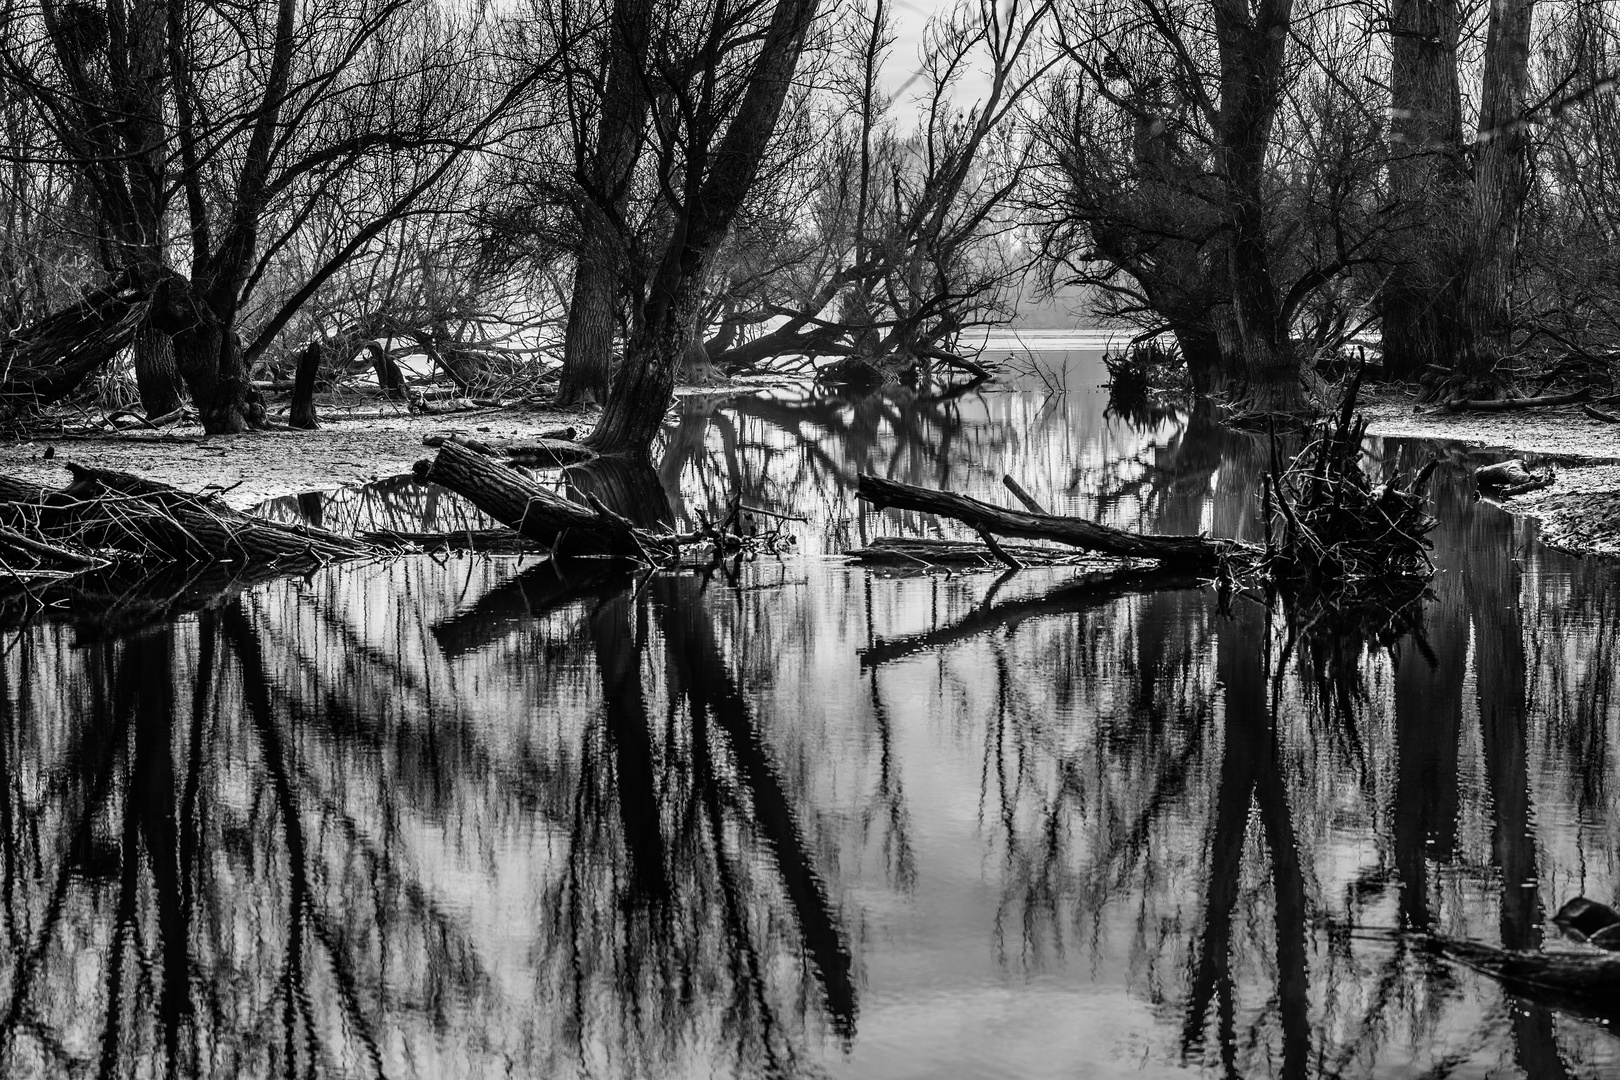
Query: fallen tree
46 361
592 526
548 519
106 516
989 520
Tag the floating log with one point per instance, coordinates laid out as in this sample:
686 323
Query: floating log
1584 983
546 518
1184 551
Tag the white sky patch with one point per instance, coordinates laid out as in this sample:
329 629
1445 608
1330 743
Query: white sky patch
902 78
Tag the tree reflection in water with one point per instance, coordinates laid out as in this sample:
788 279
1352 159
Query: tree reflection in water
255 842
480 815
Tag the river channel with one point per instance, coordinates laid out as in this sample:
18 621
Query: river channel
478 815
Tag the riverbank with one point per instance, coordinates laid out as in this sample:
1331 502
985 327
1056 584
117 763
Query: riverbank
252 468
1580 512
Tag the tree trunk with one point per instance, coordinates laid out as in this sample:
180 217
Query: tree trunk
588 347
642 387
1499 189
1418 303
1201 352
697 369
1252 46
389 377
209 356
303 399
156 376
1178 551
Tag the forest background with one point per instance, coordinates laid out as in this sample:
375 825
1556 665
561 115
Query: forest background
623 194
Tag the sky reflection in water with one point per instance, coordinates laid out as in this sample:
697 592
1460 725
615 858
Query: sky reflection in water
474 816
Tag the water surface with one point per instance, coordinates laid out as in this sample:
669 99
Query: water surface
475 816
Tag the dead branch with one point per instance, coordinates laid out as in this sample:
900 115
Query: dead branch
1510 404
1184 551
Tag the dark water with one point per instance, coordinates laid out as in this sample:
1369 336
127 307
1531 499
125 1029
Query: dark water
473 816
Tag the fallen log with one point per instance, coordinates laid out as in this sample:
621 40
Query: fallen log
932 551
567 528
1201 552
549 448
1599 414
1583 983
1506 479
1509 404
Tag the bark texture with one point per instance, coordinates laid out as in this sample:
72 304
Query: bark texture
1181 551
711 198
588 345
1252 42
1420 301
1500 167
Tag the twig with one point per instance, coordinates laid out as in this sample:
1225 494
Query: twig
1022 496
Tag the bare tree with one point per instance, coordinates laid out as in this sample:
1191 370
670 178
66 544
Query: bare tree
713 127
251 119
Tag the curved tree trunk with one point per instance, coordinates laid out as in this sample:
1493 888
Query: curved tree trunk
642 387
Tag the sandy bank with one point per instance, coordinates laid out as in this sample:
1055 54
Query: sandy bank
1580 513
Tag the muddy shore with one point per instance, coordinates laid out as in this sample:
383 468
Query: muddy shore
1580 513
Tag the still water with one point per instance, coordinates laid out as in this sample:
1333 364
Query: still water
472 816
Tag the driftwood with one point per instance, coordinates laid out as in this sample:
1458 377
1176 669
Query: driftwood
549 448
1193 552
546 518
1582 983
932 551
1510 404
125 517
1599 414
